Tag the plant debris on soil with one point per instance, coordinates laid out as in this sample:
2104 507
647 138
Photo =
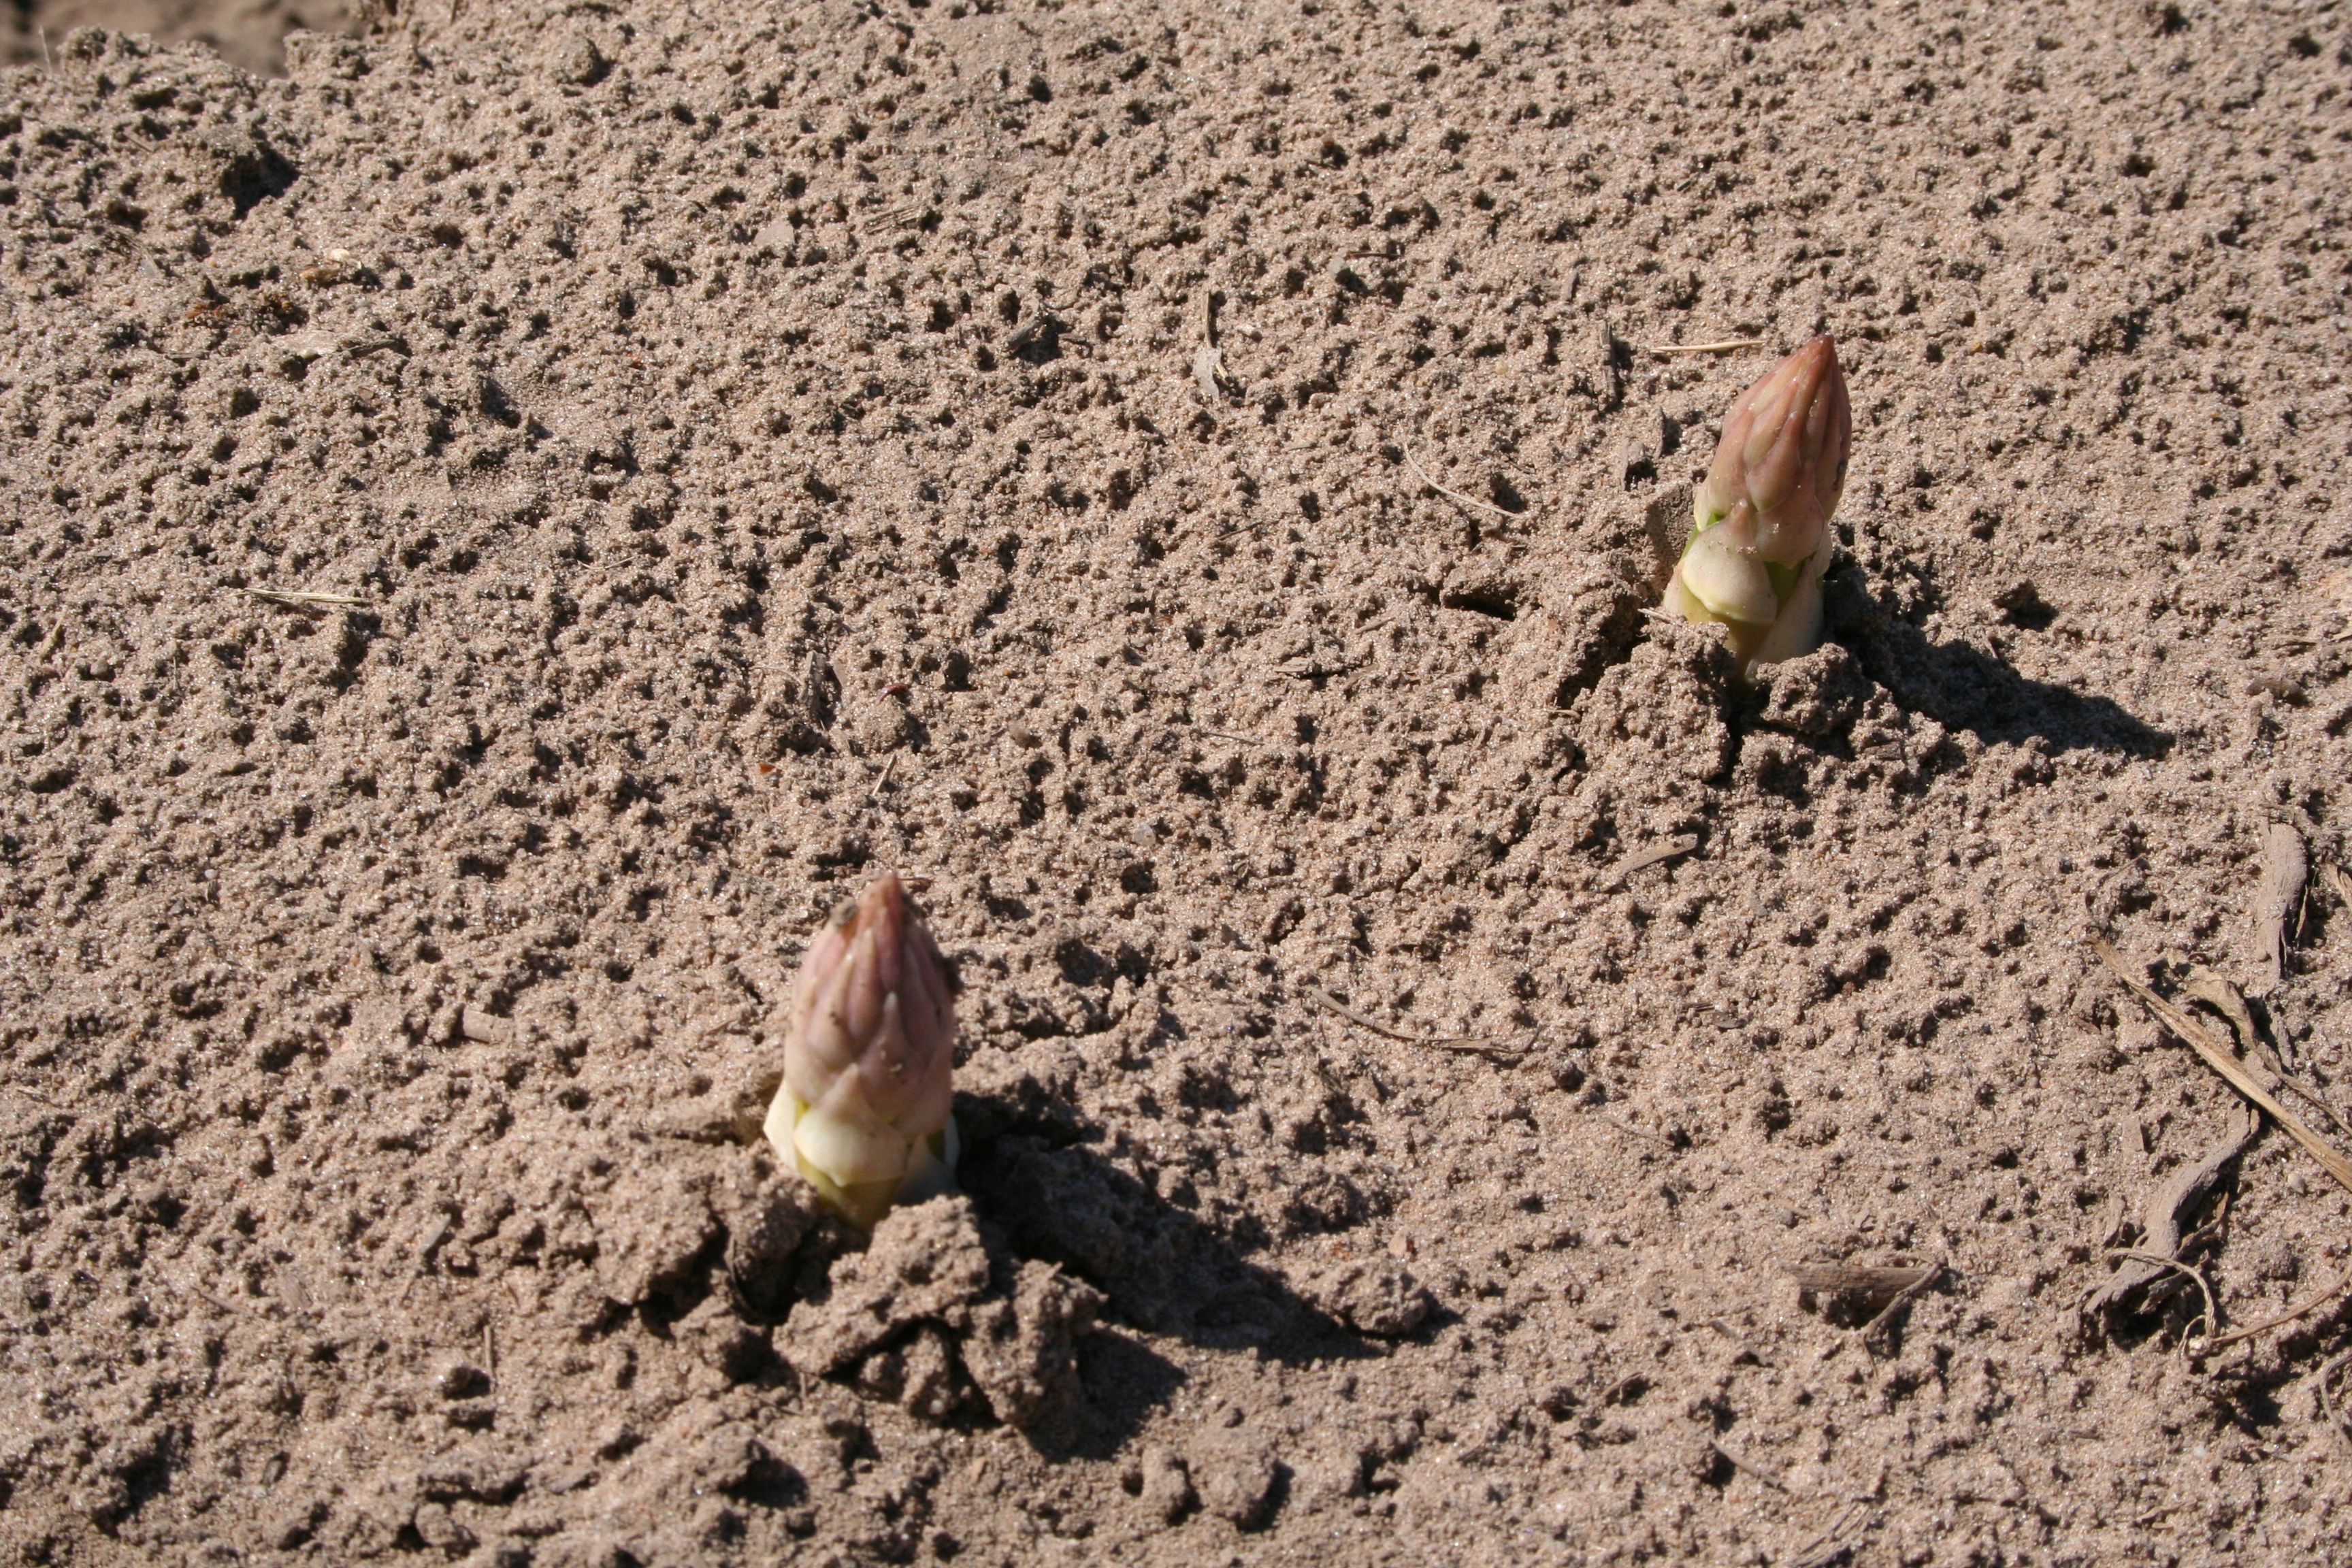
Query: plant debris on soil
514 518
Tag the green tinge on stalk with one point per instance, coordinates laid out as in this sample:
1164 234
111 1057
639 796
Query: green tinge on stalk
1760 526
863 1113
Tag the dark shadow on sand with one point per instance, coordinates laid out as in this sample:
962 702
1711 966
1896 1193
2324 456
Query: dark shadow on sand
1965 688
1058 1198
1028 1166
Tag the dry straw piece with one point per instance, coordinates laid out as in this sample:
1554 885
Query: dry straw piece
2291 1315
1825 1279
2199 1039
308 601
1422 474
1493 1047
1722 346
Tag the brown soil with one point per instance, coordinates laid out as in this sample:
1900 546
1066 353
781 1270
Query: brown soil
246 33
765 445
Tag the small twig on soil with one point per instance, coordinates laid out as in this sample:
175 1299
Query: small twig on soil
2267 1324
2162 1218
1741 1462
1453 495
2210 1233
2326 1375
1608 1396
1724 347
2213 1311
876 793
1209 371
306 601
1829 1279
1673 847
1028 332
2279 900
2201 984
2195 1036
181 1287
1838 1540
2111 1222
37 1099
1934 1271
489 1348
1475 1045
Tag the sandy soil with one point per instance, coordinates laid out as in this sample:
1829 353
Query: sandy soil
1418 1009
246 33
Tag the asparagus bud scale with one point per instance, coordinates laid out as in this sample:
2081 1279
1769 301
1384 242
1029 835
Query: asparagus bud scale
863 1113
1760 528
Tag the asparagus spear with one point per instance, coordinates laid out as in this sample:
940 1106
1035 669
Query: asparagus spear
1760 533
862 1112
